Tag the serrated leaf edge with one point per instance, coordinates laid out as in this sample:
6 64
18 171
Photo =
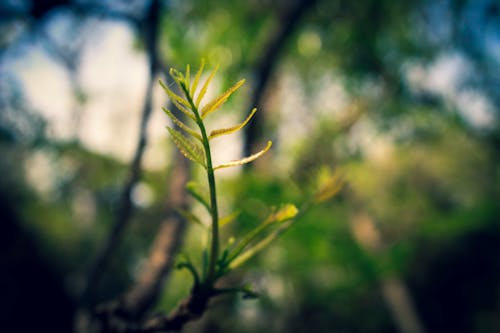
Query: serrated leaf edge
178 101
181 125
188 148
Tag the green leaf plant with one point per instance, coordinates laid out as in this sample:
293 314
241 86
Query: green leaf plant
194 141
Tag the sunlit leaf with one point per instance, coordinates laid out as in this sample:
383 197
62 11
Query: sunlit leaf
223 131
285 213
188 76
216 103
228 219
177 76
329 187
178 101
246 159
257 247
188 148
184 110
194 85
249 239
204 88
181 125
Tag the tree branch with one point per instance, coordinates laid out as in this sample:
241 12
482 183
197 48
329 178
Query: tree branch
125 210
265 66
127 313
114 320
144 293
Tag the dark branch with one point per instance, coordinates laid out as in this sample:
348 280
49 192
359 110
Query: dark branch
265 66
144 293
128 314
125 208
115 320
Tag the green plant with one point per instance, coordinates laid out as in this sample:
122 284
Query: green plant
193 140
194 143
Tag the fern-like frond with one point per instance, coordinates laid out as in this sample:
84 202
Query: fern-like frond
223 131
216 103
214 262
204 88
246 159
188 148
181 125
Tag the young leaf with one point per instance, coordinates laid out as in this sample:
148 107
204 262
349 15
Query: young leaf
188 148
216 103
257 247
329 188
188 76
248 239
174 96
228 219
205 86
246 159
178 101
177 76
194 85
181 125
287 212
223 131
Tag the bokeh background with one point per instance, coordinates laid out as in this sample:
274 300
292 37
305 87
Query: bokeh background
400 97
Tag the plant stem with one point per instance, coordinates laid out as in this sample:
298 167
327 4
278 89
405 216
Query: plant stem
214 251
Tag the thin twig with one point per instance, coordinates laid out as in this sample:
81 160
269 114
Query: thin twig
266 64
125 208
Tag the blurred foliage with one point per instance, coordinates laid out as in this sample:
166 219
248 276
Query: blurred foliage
421 193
